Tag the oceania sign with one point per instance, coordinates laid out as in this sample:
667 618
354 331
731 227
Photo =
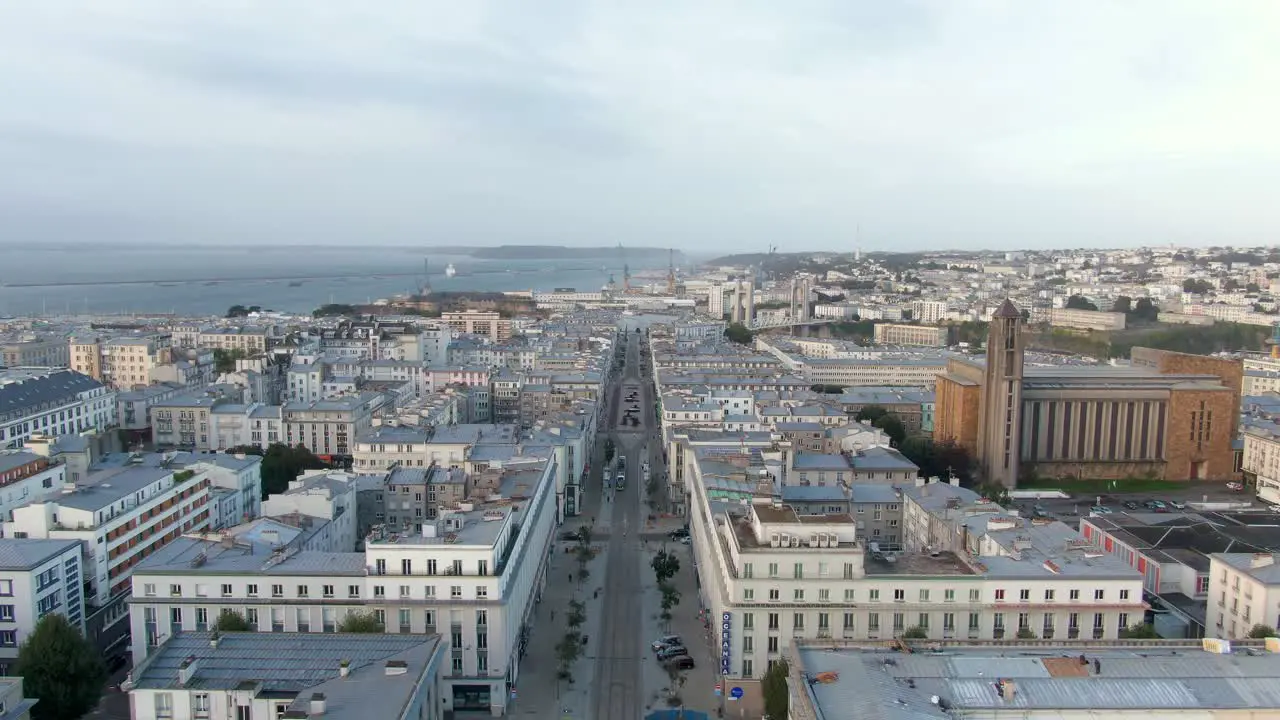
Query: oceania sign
726 643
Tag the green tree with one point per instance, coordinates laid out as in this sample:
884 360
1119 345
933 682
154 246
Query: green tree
915 632
231 621
1026 634
334 310
670 599
1080 302
774 688
1252 288
360 622
1260 631
281 464
609 449
1123 304
939 459
871 413
1196 287
1141 631
61 669
224 361
892 426
577 614
738 333
1146 310
665 566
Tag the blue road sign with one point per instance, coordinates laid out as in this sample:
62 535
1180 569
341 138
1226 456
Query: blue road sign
736 693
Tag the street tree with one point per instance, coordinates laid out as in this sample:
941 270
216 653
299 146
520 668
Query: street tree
61 669
670 599
915 632
870 413
281 464
577 614
738 333
774 688
665 566
892 426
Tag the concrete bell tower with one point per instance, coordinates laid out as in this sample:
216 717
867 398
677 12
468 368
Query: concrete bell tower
1000 415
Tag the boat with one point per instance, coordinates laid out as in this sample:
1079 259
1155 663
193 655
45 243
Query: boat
295 283
450 271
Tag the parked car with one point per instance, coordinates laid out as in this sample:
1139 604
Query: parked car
1100 510
1178 505
678 533
1235 486
666 641
684 662
672 652
1130 505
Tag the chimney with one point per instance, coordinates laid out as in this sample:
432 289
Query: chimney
318 705
187 670
1008 689
344 668
1261 560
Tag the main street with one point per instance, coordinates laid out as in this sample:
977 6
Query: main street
618 691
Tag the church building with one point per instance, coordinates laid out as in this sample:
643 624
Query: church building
1165 415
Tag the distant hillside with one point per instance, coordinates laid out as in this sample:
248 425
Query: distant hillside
552 252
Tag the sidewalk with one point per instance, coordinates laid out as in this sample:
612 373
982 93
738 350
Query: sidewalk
540 693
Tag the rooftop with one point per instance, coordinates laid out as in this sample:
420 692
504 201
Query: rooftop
301 664
1046 681
252 552
22 390
28 554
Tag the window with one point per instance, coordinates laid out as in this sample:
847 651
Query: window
748 594
199 705
251 590
482 592
873 595
406 566
824 595
1099 594
148 589
379 591
798 595
251 617
773 570
773 644
303 591
773 621
1124 594
327 591
6 613
455 591
175 590
747 571
202 619
924 595
975 595
899 595
1048 595
873 623
277 591
798 571
1073 595
226 589
848 595
797 621
1000 594
747 644
948 595
353 591
9 638
404 591
748 621
164 705
1024 595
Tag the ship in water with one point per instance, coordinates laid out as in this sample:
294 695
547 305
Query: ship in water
450 271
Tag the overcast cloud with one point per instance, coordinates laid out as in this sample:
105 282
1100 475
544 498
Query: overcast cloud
708 125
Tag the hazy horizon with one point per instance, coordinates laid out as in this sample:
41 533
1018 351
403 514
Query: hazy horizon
713 128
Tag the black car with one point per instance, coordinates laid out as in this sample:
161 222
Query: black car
678 533
684 662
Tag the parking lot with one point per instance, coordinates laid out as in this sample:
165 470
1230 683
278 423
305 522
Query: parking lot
1165 499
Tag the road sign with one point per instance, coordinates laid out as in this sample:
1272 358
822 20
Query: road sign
735 693
718 691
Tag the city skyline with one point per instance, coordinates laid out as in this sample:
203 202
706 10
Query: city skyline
724 128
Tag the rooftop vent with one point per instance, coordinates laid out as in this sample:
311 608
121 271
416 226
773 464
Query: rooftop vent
318 705
396 667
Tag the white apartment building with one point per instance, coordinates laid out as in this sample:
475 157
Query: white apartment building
37 577
915 372
250 676
25 477
305 381
274 587
330 427
122 362
325 495
379 449
1244 591
120 516
133 407
235 485
250 341
929 312
52 401
474 577
1262 459
771 574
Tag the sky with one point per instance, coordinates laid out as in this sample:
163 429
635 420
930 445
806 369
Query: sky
710 126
